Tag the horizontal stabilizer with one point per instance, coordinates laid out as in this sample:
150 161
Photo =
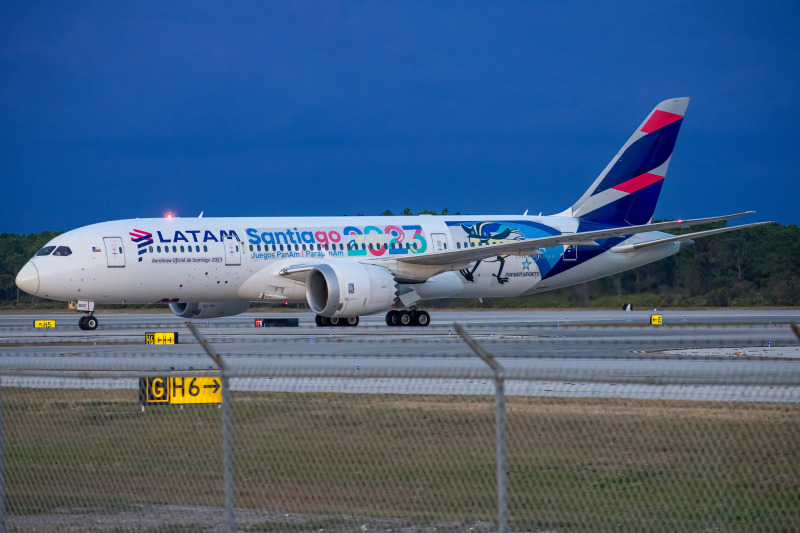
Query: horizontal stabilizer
686 237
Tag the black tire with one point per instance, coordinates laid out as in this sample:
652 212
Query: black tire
82 323
351 321
318 320
422 319
91 323
335 321
391 318
404 318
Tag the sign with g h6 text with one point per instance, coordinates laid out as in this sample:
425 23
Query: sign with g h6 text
180 390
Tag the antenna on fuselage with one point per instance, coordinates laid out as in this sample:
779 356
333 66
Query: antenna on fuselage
525 213
201 215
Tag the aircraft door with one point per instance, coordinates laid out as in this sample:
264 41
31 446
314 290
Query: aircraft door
439 242
114 251
233 255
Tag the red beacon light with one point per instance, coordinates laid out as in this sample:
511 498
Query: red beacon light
169 216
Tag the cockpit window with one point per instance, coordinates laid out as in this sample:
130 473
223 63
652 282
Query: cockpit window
47 250
63 250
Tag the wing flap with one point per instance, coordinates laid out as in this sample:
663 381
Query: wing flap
531 246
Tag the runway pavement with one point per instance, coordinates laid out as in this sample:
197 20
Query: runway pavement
725 355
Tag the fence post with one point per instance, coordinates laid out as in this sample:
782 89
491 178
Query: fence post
227 430
500 428
2 467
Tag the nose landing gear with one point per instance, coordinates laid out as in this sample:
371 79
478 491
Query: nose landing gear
412 317
88 322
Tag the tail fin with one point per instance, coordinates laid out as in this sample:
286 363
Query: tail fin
627 190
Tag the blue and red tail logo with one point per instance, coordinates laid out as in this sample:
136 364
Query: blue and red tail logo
142 239
628 190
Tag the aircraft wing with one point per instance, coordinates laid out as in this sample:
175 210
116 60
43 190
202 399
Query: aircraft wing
532 246
688 236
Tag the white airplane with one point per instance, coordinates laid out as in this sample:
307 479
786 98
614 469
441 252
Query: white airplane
346 267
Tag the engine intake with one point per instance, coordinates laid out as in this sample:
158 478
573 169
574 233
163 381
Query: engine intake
350 289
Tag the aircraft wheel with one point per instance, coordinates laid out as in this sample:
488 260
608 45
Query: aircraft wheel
320 320
422 318
404 318
351 321
335 321
90 323
391 318
82 323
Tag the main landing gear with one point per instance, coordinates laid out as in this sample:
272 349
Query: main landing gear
88 322
324 321
412 317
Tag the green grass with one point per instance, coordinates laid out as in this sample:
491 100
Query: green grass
574 464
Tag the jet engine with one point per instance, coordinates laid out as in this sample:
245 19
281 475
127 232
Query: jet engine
350 289
208 309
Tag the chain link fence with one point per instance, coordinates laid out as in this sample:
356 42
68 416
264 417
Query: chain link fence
328 448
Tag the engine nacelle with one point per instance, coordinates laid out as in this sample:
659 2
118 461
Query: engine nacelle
208 309
350 289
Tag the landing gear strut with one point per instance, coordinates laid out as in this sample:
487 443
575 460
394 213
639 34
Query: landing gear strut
412 317
324 321
88 322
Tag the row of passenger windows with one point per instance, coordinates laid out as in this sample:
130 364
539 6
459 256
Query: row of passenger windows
340 246
61 251
175 249
65 250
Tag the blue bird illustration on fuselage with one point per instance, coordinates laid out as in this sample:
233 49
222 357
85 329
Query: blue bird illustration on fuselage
485 233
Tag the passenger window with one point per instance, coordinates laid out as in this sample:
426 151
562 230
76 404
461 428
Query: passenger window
458 245
151 249
62 251
47 250
158 249
174 249
181 248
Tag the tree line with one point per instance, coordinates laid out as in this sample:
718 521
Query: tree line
752 267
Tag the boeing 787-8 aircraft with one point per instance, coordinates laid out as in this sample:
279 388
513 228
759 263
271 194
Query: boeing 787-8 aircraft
346 267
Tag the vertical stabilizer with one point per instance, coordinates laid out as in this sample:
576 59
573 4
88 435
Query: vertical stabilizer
627 190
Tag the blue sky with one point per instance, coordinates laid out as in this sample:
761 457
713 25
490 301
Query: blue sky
116 110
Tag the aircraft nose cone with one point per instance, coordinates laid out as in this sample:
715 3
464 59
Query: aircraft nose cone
28 279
